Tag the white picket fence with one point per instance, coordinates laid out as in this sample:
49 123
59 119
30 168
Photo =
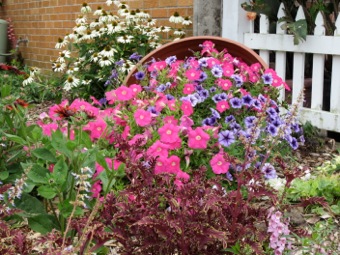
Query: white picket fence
236 26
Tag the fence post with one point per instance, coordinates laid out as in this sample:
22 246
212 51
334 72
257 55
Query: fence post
234 20
207 17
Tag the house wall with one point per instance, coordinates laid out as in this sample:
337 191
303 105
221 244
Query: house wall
42 22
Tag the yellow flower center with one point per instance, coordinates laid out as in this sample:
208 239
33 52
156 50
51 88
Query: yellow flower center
219 163
198 138
168 132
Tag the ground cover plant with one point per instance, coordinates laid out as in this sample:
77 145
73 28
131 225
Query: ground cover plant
192 159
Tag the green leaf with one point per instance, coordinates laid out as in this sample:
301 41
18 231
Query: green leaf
16 139
47 192
44 154
4 175
59 174
58 143
30 205
43 223
66 208
37 174
100 159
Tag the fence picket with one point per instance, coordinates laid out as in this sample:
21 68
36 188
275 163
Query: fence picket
298 66
318 67
264 29
335 85
280 56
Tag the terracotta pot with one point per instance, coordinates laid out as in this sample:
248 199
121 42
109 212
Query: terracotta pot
186 47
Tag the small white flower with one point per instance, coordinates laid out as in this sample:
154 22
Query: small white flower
151 22
107 51
58 66
186 21
61 43
98 12
176 18
86 82
71 82
109 2
125 39
28 80
85 8
179 32
81 20
105 61
143 15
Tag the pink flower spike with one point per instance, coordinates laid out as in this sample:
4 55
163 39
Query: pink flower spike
198 139
124 93
169 133
222 106
218 164
187 108
192 74
142 117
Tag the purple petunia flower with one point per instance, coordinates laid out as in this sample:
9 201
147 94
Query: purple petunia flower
249 121
269 171
296 127
170 60
119 63
153 110
236 102
226 138
217 71
209 121
203 77
272 112
204 94
140 75
247 100
294 143
199 88
272 129
203 62
229 118
234 125
267 78
170 97
216 98
212 89
135 56
257 104
277 122
161 88
215 113
238 80
262 98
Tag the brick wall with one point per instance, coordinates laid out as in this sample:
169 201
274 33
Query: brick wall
42 22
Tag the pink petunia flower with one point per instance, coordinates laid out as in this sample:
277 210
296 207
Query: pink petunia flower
198 139
222 106
135 88
192 74
142 117
186 121
188 89
96 128
48 128
187 108
224 84
218 164
158 149
161 165
110 96
213 61
169 133
173 166
170 120
123 93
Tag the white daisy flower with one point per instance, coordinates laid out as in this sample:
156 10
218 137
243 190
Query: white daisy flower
86 82
186 21
109 2
176 18
98 12
61 43
95 57
143 15
151 22
81 20
107 51
179 32
28 80
71 82
164 29
72 70
85 8
58 66
34 71
105 61
125 39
